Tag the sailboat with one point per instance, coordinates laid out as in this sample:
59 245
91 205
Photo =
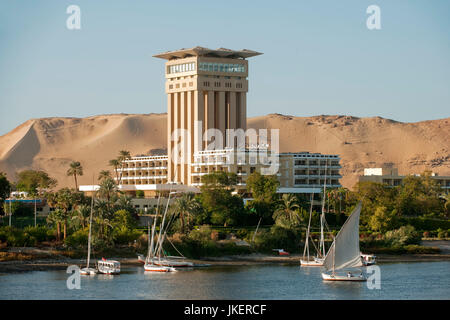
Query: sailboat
89 271
317 261
150 264
344 254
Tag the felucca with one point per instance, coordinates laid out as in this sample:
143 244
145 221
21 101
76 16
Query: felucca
317 261
344 254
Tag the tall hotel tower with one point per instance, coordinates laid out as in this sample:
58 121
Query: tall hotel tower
209 87
203 85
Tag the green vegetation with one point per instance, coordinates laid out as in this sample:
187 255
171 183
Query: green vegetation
75 169
5 189
213 222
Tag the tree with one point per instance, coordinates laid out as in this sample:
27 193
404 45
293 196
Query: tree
123 155
108 190
33 181
56 217
75 169
263 187
5 188
104 174
65 201
115 164
186 206
382 220
264 192
81 214
217 199
286 214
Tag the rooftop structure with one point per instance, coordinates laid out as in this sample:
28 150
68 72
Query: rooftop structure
205 52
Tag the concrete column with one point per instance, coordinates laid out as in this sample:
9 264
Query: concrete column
199 114
233 115
243 110
169 134
210 116
190 128
222 115
183 139
176 120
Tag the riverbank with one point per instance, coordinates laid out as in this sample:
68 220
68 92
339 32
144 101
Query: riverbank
241 260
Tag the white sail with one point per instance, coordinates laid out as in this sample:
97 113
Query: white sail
344 252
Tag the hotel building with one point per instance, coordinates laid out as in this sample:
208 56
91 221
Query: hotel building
207 90
390 177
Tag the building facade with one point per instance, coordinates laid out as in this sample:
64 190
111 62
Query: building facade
390 177
206 89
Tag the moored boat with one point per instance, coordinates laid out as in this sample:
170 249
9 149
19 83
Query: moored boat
106 266
368 259
155 268
344 254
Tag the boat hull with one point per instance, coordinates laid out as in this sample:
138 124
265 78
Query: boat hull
330 277
88 271
309 263
178 264
155 268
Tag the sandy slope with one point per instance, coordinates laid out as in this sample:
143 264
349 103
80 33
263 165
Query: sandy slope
51 143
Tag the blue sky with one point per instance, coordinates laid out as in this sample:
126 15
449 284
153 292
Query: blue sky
319 57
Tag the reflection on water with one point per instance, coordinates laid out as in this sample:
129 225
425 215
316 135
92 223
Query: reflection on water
427 280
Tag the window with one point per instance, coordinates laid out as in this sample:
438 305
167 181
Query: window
184 67
221 67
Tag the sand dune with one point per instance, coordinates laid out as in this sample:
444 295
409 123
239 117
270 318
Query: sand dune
50 144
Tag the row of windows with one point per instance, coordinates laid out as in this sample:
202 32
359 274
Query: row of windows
217 84
184 67
221 67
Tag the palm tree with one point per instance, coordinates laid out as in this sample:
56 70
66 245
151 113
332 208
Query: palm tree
124 203
108 189
75 169
123 155
287 210
56 217
104 174
65 201
82 214
115 164
103 217
186 206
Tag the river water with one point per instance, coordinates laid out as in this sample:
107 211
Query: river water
418 280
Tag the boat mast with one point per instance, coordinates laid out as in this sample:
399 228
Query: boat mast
322 216
306 249
90 224
151 238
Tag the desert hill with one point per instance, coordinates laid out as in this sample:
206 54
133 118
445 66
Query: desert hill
50 144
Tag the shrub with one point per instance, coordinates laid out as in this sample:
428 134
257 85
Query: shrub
78 238
442 233
126 236
139 194
416 249
16 237
403 236
40 233
278 237
202 234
